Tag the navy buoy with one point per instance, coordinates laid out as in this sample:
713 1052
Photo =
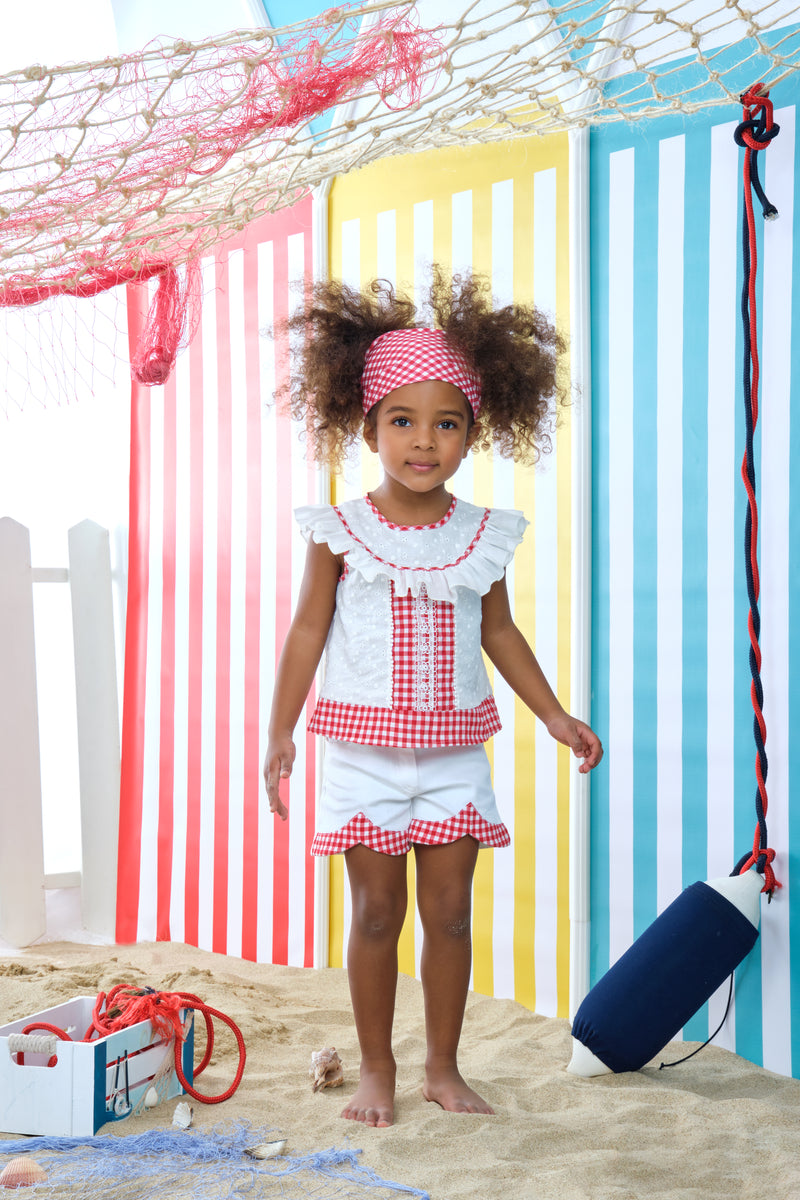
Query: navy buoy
666 976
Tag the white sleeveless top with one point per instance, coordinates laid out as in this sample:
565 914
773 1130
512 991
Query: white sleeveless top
403 658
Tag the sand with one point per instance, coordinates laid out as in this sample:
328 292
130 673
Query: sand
714 1127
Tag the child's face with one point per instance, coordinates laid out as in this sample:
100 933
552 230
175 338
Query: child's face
421 432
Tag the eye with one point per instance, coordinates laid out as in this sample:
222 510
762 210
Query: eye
447 424
403 422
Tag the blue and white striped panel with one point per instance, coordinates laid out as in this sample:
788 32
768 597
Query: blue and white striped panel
671 676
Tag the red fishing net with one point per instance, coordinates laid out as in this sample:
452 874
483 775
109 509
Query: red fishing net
119 171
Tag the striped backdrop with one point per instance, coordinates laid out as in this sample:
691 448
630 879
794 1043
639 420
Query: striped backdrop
214 565
670 672
501 211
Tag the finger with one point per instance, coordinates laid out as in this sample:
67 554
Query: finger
276 805
591 755
277 769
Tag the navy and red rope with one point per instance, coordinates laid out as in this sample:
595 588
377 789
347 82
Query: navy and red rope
755 133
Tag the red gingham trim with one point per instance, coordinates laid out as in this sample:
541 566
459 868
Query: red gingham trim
397 566
405 528
423 652
403 657
359 830
468 822
403 356
405 728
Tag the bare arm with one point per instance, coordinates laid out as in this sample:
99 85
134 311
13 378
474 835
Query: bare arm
516 662
298 663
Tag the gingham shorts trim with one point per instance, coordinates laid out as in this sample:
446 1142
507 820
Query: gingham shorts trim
361 831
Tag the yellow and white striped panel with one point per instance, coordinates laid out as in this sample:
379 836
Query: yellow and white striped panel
501 211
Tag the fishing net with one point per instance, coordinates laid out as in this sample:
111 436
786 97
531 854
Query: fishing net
116 170
184 1165
121 170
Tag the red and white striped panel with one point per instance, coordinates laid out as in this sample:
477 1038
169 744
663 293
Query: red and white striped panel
215 563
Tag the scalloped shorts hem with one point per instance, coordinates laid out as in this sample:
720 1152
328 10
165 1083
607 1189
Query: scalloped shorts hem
361 831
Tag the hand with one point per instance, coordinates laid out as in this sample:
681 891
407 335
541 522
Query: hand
582 741
277 766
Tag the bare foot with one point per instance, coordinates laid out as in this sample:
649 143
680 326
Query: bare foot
373 1102
445 1087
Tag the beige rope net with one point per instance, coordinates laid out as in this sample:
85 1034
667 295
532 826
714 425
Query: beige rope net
119 170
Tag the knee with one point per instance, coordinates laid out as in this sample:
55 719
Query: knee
449 914
458 927
378 917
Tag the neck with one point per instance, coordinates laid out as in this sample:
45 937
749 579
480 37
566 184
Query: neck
404 507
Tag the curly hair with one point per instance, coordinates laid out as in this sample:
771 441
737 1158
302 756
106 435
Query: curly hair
515 350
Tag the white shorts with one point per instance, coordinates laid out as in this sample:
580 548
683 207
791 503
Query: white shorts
389 799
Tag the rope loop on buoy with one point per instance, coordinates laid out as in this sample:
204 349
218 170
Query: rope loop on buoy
755 132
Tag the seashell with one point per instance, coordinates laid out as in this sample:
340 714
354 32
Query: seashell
266 1149
182 1117
22 1172
326 1069
151 1098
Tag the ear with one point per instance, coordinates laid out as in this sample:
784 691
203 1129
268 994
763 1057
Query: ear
472 436
370 434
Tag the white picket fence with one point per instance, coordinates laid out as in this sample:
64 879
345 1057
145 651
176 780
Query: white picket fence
22 875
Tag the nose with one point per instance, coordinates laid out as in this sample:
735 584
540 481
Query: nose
424 436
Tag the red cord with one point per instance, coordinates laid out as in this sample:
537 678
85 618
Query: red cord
755 100
126 1005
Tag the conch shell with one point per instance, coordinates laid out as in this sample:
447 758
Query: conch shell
22 1172
326 1069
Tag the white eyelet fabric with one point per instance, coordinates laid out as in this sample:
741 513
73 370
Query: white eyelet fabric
404 665
470 548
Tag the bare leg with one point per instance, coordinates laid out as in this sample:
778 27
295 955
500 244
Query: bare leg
444 900
380 896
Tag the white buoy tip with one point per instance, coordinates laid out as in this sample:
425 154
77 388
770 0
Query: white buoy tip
743 892
584 1063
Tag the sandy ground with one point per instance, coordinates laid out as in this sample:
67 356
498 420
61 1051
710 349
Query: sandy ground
715 1127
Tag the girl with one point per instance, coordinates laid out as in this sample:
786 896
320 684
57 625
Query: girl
404 587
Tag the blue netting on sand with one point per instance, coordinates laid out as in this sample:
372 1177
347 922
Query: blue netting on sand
188 1165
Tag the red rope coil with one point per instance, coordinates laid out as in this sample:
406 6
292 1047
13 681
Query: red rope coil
126 1005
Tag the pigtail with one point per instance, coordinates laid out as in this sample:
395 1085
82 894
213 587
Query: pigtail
516 350
335 327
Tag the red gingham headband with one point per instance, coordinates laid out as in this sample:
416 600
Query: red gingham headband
411 355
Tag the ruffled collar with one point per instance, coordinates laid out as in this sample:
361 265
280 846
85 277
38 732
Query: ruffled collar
471 549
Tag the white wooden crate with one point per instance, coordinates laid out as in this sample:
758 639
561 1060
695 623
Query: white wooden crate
85 1087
